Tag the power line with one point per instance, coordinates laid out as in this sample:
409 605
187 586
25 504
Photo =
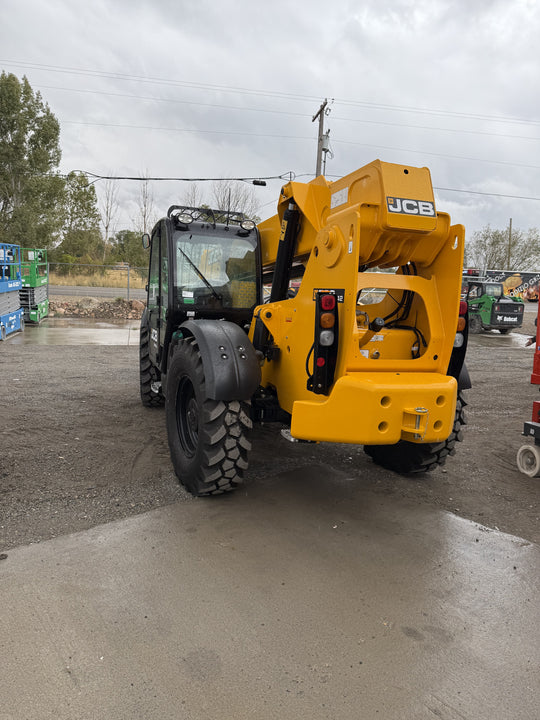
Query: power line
437 129
275 94
289 175
442 155
174 101
478 192
288 113
298 137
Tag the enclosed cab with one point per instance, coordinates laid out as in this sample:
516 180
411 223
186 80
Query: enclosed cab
491 309
204 282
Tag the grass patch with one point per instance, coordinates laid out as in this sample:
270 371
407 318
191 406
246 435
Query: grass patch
105 278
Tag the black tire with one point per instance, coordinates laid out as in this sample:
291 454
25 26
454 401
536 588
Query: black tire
504 331
150 396
475 324
209 440
406 457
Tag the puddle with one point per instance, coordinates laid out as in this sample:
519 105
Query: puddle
78 331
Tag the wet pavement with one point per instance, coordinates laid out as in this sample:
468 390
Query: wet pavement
319 601
88 331
78 331
274 605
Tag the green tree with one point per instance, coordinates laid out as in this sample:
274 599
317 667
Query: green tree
81 237
508 249
127 247
31 192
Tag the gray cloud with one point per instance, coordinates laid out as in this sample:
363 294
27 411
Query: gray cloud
229 89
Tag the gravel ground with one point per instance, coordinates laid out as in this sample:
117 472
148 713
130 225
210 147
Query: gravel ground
79 449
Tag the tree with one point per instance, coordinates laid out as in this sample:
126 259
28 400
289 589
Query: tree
508 249
109 212
192 196
30 189
127 248
145 220
81 238
236 196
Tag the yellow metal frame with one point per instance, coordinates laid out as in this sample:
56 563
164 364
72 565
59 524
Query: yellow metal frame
388 386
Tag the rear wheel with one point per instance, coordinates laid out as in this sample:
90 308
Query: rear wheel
475 324
208 439
151 395
406 457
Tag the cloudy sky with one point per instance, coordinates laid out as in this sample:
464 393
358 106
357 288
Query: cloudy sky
228 88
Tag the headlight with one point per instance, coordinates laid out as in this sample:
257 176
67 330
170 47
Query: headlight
185 218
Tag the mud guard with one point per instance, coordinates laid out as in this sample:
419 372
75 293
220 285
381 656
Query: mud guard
231 366
464 379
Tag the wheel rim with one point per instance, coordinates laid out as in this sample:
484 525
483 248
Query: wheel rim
187 416
528 460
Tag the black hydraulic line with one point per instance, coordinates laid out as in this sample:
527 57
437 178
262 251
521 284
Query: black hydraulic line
285 253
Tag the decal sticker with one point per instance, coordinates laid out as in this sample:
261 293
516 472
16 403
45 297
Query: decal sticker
340 294
339 197
407 206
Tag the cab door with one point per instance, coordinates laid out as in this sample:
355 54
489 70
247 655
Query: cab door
158 284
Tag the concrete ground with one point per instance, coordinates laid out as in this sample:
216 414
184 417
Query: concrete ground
274 606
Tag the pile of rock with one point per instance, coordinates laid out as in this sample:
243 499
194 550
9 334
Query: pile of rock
96 308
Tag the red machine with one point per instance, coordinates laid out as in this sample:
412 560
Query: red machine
528 456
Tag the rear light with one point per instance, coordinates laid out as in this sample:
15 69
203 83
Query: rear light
328 302
326 338
459 339
327 320
325 343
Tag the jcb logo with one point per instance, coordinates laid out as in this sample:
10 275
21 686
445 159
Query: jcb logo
410 207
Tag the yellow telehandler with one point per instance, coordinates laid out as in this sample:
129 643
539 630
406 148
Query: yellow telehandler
361 339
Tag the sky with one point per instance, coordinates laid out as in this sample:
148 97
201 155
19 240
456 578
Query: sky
228 89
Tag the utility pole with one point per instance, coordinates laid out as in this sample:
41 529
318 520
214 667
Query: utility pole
509 245
320 114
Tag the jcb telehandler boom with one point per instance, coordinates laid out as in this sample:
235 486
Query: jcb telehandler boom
369 350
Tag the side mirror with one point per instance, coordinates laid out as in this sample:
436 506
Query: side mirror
146 241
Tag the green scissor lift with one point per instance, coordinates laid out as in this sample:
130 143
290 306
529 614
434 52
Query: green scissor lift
35 284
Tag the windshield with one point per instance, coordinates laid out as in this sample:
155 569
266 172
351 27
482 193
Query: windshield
215 270
494 289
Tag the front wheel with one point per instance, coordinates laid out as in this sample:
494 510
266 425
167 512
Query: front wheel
208 439
406 457
151 395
